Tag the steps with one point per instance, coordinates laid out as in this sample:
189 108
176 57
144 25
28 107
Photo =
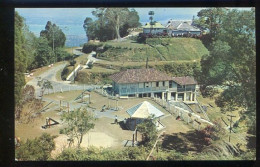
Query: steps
75 71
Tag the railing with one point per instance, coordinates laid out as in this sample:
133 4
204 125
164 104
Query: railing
172 89
142 90
185 89
160 88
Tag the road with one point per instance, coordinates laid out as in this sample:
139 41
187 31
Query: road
50 75
58 86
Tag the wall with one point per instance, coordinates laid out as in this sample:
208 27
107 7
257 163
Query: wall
184 32
154 30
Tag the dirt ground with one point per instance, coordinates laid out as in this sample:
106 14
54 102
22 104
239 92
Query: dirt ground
105 132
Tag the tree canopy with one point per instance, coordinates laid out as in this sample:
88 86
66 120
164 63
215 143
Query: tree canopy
111 23
20 56
148 130
54 35
79 122
231 63
38 149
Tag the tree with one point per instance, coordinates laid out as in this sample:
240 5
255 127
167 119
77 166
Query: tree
38 149
44 54
211 19
79 122
148 130
61 54
117 17
231 65
20 55
44 84
89 27
111 23
56 38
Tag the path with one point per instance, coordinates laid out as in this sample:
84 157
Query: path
50 75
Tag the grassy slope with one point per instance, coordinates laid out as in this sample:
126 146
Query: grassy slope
165 49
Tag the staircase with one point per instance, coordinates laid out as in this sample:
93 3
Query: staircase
204 113
73 73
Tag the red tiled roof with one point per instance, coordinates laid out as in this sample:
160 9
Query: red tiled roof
184 80
139 75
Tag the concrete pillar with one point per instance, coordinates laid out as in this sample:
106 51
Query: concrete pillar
162 95
169 96
176 96
152 94
191 96
194 96
184 96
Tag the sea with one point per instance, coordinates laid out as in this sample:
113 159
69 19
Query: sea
71 20
75 34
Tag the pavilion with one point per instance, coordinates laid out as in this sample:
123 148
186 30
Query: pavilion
142 111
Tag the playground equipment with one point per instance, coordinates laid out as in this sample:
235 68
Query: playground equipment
45 107
84 94
64 107
48 123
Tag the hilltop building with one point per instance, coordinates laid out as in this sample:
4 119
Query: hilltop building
178 27
153 83
154 29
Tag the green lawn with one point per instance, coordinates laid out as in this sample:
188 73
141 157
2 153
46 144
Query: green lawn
162 49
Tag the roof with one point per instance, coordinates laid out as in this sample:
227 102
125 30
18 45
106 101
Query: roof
157 25
139 75
184 80
181 25
144 110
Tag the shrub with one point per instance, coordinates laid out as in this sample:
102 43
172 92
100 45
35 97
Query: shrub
64 73
38 149
90 65
72 62
90 46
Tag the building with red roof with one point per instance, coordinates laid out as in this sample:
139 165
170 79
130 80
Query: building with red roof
153 83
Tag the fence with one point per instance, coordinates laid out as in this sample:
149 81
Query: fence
190 118
58 88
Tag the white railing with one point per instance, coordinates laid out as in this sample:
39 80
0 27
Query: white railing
73 73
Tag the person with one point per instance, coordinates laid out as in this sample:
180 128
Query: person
125 121
116 119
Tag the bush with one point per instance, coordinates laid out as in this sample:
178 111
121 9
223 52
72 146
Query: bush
72 62
90 65
90 46
38 149
61 54
64 73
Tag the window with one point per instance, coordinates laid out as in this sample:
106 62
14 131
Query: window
163 83
157 84
170 84
147 84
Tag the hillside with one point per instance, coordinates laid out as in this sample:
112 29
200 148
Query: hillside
158 49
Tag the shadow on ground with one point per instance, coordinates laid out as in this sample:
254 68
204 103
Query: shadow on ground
123 126
184 142
251 142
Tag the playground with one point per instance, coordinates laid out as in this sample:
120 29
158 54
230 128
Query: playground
105 133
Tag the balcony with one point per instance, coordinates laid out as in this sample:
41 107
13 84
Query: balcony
185 89
173 89
143 90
